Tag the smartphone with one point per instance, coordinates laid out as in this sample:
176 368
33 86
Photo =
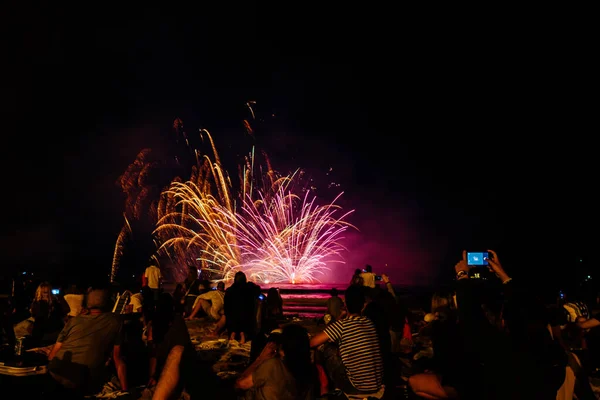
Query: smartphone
261 297
55 291
477 259
377 277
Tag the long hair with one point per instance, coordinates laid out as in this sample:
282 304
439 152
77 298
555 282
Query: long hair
442 300
274 302
44 292
295 344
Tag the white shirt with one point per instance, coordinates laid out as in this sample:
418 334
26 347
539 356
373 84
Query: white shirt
153 275
75 302
216 300
136 301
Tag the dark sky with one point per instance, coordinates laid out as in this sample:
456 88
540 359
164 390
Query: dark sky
441 140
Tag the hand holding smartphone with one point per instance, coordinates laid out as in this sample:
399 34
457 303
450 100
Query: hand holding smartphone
477 259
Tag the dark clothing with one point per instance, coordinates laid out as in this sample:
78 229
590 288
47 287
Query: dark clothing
522 362
273 381
376 313
192 286
336 371
87 342
48 319
239 306
449 355
176 335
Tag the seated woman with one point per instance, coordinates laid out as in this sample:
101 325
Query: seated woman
272 310
443 377
47 314
282 371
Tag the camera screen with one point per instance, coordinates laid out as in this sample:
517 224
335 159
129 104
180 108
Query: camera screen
377 277
477 258
55 291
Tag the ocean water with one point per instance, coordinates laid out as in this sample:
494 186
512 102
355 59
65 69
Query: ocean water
309 300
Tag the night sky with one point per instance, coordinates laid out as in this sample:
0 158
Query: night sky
439 144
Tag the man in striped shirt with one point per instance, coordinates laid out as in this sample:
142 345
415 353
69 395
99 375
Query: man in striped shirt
352 355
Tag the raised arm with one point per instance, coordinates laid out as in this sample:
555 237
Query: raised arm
388 284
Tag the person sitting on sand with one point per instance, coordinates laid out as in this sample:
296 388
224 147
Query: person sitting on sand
77 361
283 370
351 352
211 302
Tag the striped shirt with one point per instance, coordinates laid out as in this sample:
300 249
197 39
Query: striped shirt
359 350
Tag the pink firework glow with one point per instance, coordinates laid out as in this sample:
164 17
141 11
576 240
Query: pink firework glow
274 236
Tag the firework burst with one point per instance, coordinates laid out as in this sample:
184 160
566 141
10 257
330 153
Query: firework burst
275 236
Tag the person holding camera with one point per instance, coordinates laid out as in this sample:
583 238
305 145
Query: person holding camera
504 331
368 277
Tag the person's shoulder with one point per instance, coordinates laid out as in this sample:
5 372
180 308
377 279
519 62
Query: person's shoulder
359 320
271 364
110 316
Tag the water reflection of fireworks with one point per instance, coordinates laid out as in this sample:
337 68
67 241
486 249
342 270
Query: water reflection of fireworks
273 234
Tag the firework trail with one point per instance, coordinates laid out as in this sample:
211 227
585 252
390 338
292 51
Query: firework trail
271 227
122 239
139 184
276 237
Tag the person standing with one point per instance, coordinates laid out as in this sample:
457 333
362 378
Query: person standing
368 277
153 279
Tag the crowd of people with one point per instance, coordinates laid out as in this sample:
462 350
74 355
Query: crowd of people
489 338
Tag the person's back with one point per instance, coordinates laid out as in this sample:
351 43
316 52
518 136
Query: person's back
239 306
153 276
84 346
359 351
356 278
46 312
169 336
368 277
284 370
